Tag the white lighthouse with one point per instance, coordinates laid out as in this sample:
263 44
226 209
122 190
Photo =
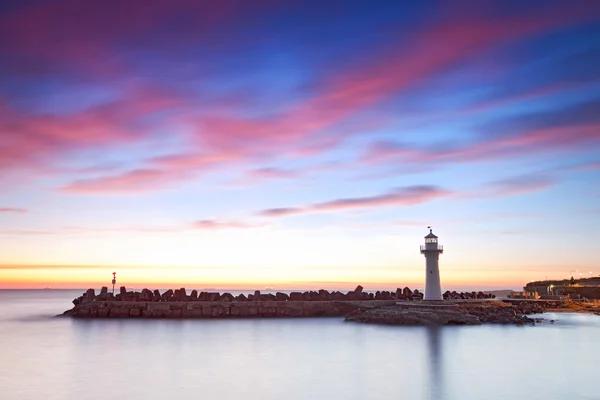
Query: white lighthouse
432 251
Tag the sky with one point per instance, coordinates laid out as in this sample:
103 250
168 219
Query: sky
298 144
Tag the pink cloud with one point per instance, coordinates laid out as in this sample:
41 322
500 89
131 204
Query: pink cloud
499 147
35 140
132 182
349 91
406 196
12 210
224 138
272 173
592 166
26 232
519 185
282 212
522 185
209 224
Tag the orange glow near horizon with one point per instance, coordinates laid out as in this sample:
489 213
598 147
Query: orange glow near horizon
37 277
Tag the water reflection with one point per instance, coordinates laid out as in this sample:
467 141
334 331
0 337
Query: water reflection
436 374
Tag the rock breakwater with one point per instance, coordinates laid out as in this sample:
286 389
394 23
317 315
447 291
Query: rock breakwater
179 304
400 307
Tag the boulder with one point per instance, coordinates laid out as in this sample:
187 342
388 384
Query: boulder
226 297
213 296
104 290
279 296
166 296
296 296
122 291
146 295
88 296
180 295
358 289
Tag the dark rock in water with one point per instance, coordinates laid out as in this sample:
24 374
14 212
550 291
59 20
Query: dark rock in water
413 316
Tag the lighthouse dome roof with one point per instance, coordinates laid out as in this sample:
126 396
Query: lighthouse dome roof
431 235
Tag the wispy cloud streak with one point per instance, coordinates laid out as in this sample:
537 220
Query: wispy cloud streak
406 196
15 210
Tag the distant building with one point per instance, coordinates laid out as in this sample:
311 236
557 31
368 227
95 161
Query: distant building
524 295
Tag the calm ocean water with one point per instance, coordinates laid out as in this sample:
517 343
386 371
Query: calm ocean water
48 358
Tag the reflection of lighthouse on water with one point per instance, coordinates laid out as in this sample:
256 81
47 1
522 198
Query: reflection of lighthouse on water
436 383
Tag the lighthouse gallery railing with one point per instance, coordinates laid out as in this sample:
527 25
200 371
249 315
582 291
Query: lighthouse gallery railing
439 248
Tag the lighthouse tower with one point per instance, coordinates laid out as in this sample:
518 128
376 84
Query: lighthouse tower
432 251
